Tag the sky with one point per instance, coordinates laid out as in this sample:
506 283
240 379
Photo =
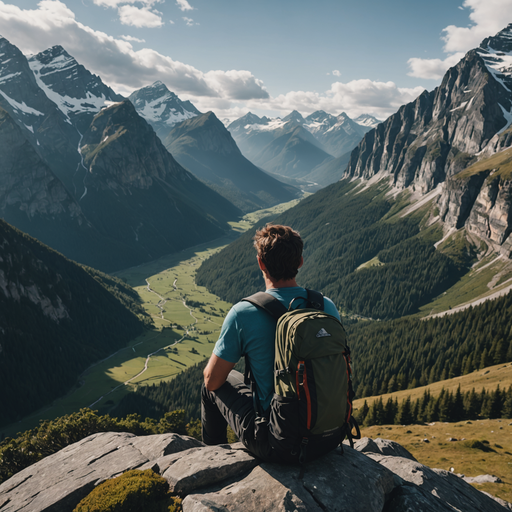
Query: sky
268 57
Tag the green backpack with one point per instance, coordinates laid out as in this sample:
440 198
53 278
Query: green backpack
311 410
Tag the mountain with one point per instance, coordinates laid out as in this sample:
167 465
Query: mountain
367 121
293 154
290 148
161 108
34 199
205 147
338 134
99 201
462 124
42 123
137 194
78 93
328 172
56 318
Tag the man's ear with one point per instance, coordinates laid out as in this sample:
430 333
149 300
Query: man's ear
262 266
301 262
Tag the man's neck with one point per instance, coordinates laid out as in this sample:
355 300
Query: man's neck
282 283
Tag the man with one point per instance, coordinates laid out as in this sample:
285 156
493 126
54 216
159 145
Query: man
249 331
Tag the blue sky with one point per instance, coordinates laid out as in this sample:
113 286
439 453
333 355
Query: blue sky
269 57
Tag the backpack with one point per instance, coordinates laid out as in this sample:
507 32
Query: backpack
311 409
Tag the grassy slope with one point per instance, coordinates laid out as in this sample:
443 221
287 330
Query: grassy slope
441 453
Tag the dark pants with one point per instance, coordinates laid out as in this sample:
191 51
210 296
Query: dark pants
232 405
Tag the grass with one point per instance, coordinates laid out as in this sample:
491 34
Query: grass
465 455
500 164
489 276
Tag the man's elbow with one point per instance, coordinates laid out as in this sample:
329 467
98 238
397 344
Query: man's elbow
209 381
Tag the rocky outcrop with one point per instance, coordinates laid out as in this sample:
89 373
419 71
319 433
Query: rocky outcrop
491 216
443 131
378 475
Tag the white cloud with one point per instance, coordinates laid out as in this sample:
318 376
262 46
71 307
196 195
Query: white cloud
238 85
487 18
184 5
336 73
140 17
115 60
432 68
134 39
380 99
189 21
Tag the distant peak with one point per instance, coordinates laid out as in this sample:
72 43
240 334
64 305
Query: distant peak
294 116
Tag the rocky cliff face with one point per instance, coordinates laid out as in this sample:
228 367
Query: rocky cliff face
457 127
78 93
41 122
377 476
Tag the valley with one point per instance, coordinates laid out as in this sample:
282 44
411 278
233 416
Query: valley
187 320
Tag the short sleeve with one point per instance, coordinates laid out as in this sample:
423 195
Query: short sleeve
228 346
330 308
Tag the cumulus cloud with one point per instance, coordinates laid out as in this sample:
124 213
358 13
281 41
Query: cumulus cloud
115 60
140 17
336 73
380 99
487 18
239 85
432 68
184 5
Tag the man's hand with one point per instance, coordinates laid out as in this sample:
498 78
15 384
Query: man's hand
216 372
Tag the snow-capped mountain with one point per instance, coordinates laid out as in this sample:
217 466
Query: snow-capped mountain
42 123
78 93
161 108
338 134
367 121
293 146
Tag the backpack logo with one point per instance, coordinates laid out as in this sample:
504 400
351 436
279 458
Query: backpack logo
322 333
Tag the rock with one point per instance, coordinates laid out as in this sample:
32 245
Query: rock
61 480
382 446
198 468
378 476
482 479
447 487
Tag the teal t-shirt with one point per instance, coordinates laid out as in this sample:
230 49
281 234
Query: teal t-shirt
249 330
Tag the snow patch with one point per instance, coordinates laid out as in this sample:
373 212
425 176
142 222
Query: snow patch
23 107
508 117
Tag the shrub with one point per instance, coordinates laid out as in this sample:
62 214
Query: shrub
133 491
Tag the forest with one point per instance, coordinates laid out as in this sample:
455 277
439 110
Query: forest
101 315
446 407
342 230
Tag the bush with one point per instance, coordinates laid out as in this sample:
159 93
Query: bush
133 491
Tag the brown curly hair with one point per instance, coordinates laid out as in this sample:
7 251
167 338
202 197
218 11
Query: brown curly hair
280 249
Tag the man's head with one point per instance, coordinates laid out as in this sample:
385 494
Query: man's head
280 250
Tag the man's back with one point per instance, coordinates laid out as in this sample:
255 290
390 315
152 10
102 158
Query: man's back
249 330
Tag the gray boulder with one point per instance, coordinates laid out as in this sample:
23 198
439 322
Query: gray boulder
379 476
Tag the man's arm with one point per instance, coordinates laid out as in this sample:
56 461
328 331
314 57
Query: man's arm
216 372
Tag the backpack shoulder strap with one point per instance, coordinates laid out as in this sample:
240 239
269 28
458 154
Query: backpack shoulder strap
315 299
267 303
